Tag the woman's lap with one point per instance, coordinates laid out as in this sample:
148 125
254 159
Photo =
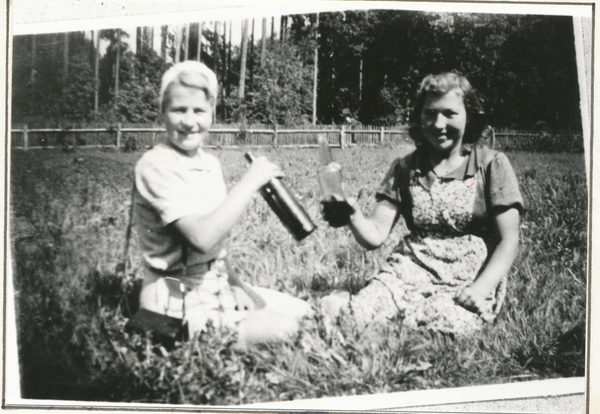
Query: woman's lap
403 288
212 301
279 321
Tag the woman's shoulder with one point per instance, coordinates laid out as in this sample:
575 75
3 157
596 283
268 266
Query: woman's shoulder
160 152
400 169
406 161
160 157
487 156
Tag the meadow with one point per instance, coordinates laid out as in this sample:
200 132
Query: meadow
75 290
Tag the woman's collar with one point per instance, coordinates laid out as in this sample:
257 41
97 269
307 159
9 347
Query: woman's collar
423 166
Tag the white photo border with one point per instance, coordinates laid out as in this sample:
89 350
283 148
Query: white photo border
44 16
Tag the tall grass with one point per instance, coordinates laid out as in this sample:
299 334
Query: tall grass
69 212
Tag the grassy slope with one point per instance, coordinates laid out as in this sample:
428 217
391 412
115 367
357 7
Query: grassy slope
69 215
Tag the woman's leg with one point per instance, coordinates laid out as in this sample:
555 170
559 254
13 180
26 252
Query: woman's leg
161 295
397 289
378 302
265 326
284 303
279 321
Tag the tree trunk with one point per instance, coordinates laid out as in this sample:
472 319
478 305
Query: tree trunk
54 47
224 67
243 58
177 43
33 56
263 45
316 72
65 56
163 42
92 47
186 44
252 55
360 82
139 40
216 53
117 62
272 28
229 59
96 68
224 70
216 48
149 37
200 30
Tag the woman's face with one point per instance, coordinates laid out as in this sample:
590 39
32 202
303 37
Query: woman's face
187 116
443 121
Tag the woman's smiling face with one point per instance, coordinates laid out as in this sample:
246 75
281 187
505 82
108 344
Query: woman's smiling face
187 115
443 121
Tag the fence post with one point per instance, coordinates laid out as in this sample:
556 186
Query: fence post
382 135
343 136
275 136
25 137
118 135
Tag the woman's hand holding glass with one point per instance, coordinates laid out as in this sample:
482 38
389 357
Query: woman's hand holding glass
335 207
338 212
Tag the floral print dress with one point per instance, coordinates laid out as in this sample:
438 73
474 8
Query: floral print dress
448 245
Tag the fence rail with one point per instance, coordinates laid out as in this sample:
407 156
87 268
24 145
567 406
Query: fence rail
224 137
227 136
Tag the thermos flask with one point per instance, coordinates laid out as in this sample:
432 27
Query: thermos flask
281 200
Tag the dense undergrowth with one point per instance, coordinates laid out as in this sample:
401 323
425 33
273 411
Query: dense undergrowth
74 293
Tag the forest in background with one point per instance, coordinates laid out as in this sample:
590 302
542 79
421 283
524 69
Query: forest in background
74 290
368 66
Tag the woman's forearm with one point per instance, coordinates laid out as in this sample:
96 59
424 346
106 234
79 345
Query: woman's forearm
365 231
505 253
371 232
204 232
507 230
496 268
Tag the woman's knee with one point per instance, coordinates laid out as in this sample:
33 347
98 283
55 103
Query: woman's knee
284 304
266 326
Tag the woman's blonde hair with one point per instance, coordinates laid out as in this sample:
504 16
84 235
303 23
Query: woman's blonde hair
191 74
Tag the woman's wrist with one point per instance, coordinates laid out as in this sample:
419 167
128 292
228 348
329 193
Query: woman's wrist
249 182
483 285
356 216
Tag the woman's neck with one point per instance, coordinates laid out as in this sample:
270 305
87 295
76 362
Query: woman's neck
442 164
188 153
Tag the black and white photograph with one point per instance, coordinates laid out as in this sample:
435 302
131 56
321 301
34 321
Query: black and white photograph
316 206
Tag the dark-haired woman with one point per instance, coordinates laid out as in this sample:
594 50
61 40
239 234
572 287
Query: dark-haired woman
460 201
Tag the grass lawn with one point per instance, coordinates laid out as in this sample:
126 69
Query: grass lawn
69 212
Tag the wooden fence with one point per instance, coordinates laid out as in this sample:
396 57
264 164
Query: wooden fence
223 136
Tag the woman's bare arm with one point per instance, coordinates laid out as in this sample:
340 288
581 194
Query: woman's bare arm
507 228
204 232
373 231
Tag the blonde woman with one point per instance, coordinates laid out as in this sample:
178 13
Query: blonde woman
183 214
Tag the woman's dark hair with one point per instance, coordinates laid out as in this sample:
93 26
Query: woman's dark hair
440 85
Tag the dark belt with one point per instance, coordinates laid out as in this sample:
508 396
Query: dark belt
202 268
191 270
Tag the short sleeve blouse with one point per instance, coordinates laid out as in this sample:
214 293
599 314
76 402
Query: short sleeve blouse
169 186
490 172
